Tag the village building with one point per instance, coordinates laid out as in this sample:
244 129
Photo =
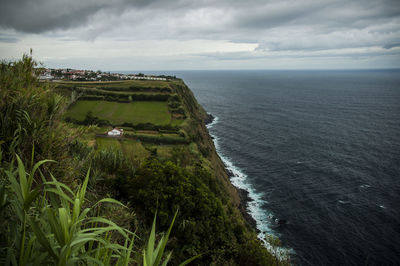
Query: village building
115 132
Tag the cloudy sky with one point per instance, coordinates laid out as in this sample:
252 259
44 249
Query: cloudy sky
203 34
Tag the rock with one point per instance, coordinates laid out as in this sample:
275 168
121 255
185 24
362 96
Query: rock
279 221
244 199
209 119
230 175
282 222
244 196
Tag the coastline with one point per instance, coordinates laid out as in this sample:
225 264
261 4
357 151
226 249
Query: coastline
250 201
244 196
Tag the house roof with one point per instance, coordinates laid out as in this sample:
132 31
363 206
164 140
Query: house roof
116 130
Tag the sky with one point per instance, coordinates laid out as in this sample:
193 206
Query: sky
203 34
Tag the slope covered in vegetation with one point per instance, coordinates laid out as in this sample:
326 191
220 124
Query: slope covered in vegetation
154 168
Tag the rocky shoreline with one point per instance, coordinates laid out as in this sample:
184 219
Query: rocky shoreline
209 119
243 194
244 200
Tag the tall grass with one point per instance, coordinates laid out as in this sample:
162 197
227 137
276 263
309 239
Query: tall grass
29 113
153 254
54 225
49 224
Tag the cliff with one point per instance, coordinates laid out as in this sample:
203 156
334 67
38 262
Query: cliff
165 163
196 128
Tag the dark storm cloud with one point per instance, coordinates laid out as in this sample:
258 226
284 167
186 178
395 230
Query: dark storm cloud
328 13
284 25
392 45
44 15
8 38
275 14
238 56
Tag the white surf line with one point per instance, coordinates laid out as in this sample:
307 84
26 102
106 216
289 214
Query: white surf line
254 207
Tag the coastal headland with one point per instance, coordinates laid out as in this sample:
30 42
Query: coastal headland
142 142
162 120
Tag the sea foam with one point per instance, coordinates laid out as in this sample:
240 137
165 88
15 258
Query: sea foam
254 207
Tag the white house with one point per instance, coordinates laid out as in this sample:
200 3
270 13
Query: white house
46 76
115 132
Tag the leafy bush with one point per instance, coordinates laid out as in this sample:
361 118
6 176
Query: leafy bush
48 223
158 139
149 126
202 222
121 96
30 114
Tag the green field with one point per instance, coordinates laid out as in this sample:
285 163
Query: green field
177 122
117 113
131 148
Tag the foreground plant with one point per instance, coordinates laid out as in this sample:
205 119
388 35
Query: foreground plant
48 225
55 228
152 255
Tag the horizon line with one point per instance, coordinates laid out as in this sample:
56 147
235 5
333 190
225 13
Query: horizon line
255 69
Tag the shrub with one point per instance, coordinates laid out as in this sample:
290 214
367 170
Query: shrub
30 114
158 139
57 228
202 222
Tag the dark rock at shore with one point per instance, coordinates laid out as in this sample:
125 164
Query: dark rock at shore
279 221
230 173
243 194
209 119
244 199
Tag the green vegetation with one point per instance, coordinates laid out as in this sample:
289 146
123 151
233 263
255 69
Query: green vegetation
119 113
166 139
57 228
64 212
205 223
130 148
45 221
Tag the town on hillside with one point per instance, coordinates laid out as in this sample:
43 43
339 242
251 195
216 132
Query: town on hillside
52 74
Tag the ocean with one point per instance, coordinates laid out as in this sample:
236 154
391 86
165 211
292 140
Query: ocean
319 150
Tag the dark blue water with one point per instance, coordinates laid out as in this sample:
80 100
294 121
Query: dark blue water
323 150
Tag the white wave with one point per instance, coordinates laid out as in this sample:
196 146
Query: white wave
254 207
213 122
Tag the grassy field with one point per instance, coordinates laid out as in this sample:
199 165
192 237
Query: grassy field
177 122
137 150
117 113
131 148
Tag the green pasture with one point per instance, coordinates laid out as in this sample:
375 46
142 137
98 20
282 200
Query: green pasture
177 122
131 148
117 113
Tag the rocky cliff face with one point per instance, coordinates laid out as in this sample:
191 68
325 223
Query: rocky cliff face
197 130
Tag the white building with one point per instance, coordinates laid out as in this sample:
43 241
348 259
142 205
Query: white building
46 76
115 132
